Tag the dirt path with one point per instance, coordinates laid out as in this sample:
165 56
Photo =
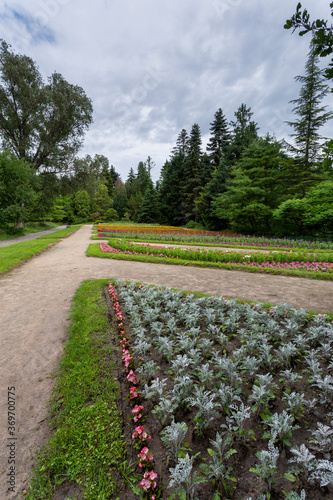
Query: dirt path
35 301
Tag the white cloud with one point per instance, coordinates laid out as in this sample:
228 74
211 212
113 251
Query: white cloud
152 68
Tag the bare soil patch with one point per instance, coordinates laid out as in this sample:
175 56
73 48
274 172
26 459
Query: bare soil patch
35 303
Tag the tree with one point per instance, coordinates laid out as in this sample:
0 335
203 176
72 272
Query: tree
258 185
245 131
18 184
322 34
311 116
81 204
312 214
192 174
102 200
182 144
220 138
120 198
149 212
43 123
170 195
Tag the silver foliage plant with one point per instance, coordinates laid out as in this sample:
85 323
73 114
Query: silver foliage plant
173 437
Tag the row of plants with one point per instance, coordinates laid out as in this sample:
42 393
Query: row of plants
325 260
201 237
255 383
125 251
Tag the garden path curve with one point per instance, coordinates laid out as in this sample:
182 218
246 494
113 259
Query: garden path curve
35 300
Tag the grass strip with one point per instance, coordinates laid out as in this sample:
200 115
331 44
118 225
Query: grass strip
94 251
87 449
14 255
30 227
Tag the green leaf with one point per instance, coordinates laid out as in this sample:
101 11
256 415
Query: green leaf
290 477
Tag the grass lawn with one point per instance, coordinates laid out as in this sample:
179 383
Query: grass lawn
14 255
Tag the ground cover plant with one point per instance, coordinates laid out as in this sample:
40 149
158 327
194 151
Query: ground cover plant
227 400
180 235
13 255
315 265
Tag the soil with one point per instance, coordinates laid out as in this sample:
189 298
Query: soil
35 303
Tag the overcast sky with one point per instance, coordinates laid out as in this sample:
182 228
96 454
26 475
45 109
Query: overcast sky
154 67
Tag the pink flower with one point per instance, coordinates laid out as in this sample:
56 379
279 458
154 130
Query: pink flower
132 378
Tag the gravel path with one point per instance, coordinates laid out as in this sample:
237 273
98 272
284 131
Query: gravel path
35 303
29 237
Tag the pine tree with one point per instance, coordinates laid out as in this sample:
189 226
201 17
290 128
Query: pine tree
192 181
220 138
245 131
170 195
182 144
150 208
311 116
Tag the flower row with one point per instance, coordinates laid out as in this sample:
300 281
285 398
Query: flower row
140 436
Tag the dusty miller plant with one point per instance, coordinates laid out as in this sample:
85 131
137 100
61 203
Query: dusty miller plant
165 408
323 439
184 478
304 460
281 427
207 407
326 386
173 437
267 468
323 472
148 369
155 389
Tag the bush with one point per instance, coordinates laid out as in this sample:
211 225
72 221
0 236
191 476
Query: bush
194 225
111 215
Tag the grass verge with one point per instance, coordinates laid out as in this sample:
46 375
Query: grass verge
14 255
30 227
87 450
94 251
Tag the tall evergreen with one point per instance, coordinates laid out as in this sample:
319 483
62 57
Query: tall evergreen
311 116
245 131
192 180
220 138
258 185
150 208
170 195
182 144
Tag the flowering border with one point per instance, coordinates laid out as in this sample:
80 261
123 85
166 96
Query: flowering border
140 436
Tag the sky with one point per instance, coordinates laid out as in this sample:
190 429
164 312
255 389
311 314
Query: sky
152 68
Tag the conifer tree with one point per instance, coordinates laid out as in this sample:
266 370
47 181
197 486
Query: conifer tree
245 131
170 195
192 181
311 116
150 208
182 144
220 138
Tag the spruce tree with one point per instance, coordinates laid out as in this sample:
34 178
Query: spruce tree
182 144
192 181
220 138
311 116
170 195
245 131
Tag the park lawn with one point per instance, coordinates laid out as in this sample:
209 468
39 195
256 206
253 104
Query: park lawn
14 255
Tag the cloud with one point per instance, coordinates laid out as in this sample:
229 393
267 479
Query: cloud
152 68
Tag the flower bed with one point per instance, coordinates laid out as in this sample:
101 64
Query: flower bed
196 236
232 392
278 261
